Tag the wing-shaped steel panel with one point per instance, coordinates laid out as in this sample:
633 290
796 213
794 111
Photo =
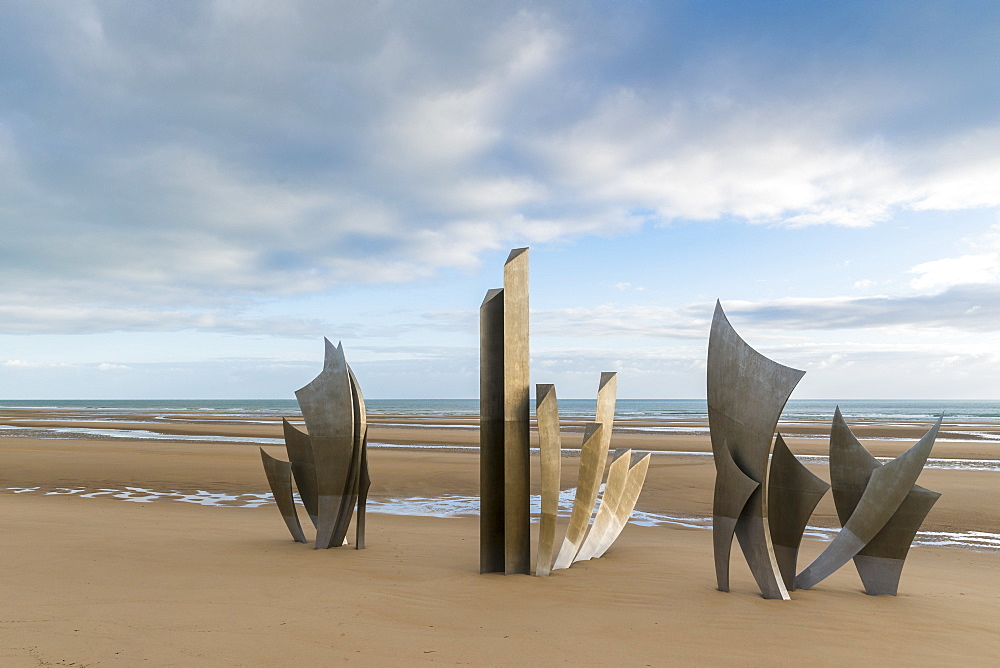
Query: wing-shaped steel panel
300 454
279 478
608 507
579 519
550 461
887 487
746 394
629 496
593 460
792 494
880 561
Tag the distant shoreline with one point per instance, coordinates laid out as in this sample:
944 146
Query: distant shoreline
626 409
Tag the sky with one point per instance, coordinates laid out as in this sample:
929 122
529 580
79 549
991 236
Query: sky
193 194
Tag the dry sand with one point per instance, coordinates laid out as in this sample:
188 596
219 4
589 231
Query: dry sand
99 581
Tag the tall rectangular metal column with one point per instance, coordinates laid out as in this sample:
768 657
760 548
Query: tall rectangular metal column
491 434
516 398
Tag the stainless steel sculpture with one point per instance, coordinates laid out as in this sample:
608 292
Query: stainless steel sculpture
330 463
593 459
505 513
504 474
626 476
279 477
613 488
792 494
617 503
746 394
880 508
550 456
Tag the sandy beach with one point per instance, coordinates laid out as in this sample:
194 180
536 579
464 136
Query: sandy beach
90 578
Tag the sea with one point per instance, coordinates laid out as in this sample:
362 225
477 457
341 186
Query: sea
625 409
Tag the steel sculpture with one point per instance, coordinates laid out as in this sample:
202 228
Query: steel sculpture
746 394
880 509
329 464
792 494
613 488
504 473
626 476
279 477
617 503
505 513
593 459
550 463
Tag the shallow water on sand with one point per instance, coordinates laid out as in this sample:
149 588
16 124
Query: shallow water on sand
145 435
464 506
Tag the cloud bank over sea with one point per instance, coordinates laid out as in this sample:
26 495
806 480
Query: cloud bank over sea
188 183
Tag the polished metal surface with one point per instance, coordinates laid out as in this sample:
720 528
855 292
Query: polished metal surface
491 427
279 478
880 562
608 505
883 490
363 481
323 400
550 463
746 394
792 494
363 487
593 460
627 498
300 454
350 496
329 464
327 408
516 409
578 520
732 488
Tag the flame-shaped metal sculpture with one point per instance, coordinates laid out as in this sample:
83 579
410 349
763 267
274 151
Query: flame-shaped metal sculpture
746 394
626 476
330 463
880 508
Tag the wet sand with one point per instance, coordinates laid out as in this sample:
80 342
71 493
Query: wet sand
100 581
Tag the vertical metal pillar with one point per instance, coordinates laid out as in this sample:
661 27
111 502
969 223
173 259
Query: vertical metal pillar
491 430
516 397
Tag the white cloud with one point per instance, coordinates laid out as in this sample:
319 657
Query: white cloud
28 319
948 272
163 166
974 268
30 364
